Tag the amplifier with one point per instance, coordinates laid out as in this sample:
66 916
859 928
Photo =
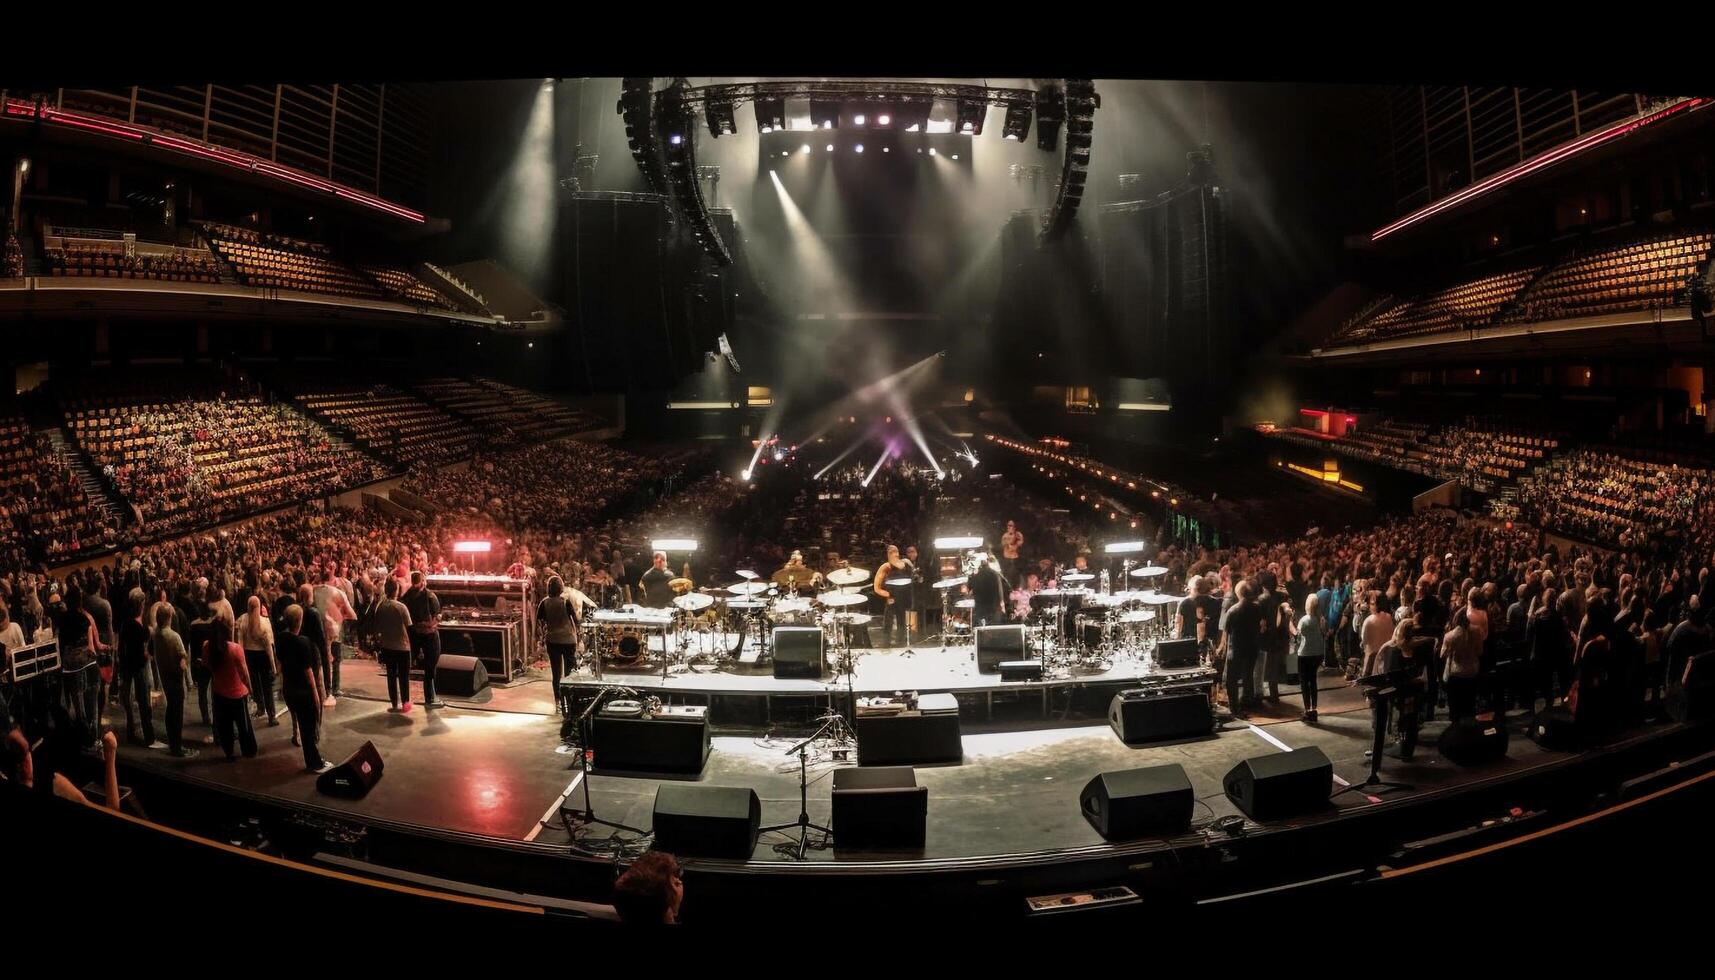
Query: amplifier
1021 670
497 645
1138 717
649 744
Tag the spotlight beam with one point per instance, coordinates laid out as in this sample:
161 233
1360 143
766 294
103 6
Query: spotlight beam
873 470
860 440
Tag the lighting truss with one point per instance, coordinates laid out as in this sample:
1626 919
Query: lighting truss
770 115
970 117
1017 125
720 119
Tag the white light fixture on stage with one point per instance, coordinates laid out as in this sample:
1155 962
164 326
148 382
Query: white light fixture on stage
473 547
674 544
958 543
1125 547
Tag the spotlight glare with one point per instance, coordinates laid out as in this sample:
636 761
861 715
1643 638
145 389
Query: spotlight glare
858 148
955 156
913 128
784 153
931 151
804 149
675 139
884 149
883 119
858 119
830 147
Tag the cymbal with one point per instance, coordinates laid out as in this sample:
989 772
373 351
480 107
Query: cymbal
842 599
1077 577
747 588
852 619
681 585
746 574
792 605
965 604
951 583
1148 571
746 604
849 576
900 582
694 601
1137 616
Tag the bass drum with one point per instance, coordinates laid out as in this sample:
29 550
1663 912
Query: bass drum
627 649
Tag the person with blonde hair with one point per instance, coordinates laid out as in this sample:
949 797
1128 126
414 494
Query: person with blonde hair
256 635
1310 643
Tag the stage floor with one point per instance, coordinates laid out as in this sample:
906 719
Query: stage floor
503 774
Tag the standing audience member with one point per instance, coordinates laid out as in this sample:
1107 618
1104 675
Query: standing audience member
650 891
227 682
299 685
392 623
135 668
425 609
168 649
1311 645
256 635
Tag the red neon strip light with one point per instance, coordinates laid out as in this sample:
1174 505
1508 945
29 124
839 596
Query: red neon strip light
1531 166
378 203
81 123
202 151
17 108
1312 411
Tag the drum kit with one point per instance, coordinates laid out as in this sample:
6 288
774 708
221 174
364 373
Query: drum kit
1075 629
698 628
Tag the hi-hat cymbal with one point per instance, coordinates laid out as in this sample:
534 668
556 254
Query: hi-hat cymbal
900 582
842 599
748 588
792 606
1077 577
849 576
694 601
1148 571
680 586
852 619
951 583
746 604
746 574
1137 616
965 604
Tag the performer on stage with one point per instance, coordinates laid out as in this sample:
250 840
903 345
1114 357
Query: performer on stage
1010 542
988 591
795 574
899 600
657 592
920 590
1020 597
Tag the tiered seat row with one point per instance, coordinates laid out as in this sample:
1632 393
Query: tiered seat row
1620 497
1645 275
41 500
190 461
109 261
552 415
1478 453
407 286
274 262
393 423
1458 307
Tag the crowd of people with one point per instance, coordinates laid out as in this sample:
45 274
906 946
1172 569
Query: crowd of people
1607 496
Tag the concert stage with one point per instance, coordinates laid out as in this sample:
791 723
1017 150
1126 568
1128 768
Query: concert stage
477 795
744 696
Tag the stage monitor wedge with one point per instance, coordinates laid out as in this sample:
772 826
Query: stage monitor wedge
1154 801
707 821
1281 784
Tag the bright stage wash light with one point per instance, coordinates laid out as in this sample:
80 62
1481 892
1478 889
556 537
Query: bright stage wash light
858 148
673 544
770 115
473 547
721 120
824 115
970 117
1017 125
958 543
1124 548
858 119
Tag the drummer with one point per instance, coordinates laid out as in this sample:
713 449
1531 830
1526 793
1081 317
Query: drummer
657 583
795 573
897 599
1020 597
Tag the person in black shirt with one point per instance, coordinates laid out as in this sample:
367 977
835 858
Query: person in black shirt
657 593
987 591
298 663
425 609
134 675
1244 628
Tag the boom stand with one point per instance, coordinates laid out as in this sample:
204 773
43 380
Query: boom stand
588 815
1382 698
803 822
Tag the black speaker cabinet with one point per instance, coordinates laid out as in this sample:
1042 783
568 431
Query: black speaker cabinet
462 677
1691 695
1177 653
1154 801
1284 784
1556 728
707 821
354 777
998 644
1020 670
798 652
1474 741
879 807
649 744
1155 717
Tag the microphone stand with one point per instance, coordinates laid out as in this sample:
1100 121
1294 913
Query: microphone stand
803 822
584 724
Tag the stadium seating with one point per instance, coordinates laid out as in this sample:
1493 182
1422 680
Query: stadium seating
1481 453
1643 275
276 262
406 286
392 423
41 501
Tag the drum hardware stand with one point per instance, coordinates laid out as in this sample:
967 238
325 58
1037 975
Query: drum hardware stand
588 817
1383 698
803 823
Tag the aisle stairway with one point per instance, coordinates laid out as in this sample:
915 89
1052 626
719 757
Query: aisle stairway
99 491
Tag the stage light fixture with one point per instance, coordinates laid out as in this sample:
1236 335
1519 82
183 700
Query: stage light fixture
959 542
673 544
858 119
1124 547
675 139
931 151
970 117
824 115
804 149
770 115
883 119
955 156
858 148
830 147
1017 125
720 119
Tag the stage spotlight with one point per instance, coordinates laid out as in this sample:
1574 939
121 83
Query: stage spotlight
824 115
970 117
675 139
784 153
1017 125
884 149
858 148
913 117
830 147
804 148
883 119
720 119
770 115
955 156
931 151
858 119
